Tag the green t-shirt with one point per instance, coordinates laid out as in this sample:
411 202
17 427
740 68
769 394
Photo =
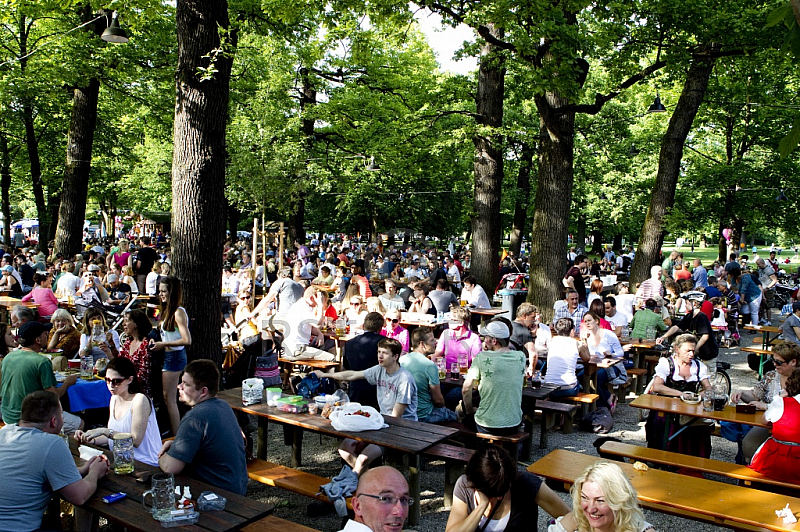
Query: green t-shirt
499 376
425 374
23 372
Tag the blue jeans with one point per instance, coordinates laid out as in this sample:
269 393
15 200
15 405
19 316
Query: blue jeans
174 360
440 414
566 392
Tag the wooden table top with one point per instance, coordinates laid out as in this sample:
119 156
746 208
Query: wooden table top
402 435
673 405
764 328
487 311
542 392
129 512
663 491
7 301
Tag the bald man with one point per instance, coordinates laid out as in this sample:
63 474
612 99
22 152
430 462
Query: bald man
381 502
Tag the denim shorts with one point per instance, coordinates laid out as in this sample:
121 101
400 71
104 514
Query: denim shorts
174 360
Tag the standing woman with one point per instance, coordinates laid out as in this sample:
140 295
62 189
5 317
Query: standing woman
129 411
175 338
137 326
603 343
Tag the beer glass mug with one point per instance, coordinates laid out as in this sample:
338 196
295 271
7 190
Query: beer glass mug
122 447
462 363
163 493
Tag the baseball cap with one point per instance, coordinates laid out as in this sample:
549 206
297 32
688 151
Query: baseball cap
32 330
495 329
94 268
112 277
694 296
7 268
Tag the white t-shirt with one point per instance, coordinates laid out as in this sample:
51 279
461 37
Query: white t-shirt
625 304
562 358
618 320
299 319
543 337
477 297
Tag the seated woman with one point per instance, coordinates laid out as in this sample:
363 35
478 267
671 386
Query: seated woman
680 375
108 349
599 308
42 294
494 496
356 312
64 335
562 360
137 327
595 292
374 304
129 411
603 499
393 329
604 343
422 304
779 456
359 280
9 282
786 358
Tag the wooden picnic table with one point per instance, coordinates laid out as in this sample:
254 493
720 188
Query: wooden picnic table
540 393
767 339
724 505
7 303
239 510
410 438
673 406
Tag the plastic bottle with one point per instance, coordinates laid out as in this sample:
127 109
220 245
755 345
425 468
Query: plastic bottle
98 332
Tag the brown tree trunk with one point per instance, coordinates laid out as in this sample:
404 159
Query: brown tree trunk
75 185
5 187
32 145
308 98
488 166
552 204
233 222
198 167
521 203
580 236
669 162
617 244
597 242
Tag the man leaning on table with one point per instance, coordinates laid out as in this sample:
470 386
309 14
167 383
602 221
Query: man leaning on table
25 371
35 462
381 502
209 445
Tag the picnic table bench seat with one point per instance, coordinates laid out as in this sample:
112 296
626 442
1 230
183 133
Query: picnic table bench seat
276 524
745 475
455 461
289 479
551 409
639 377
585 400
509 443
757 350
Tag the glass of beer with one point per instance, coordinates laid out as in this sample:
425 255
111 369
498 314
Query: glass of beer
463 302
441 364
463 363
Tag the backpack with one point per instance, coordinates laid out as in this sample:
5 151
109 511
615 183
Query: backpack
311 386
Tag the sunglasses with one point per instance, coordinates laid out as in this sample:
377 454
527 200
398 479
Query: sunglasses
393 320
778 363
114 382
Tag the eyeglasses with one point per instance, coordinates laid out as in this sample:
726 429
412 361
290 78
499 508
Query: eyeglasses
778 363
393 320
389 499
114 382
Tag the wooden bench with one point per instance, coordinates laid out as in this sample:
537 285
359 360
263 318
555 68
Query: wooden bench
639 375
276 524
745 475
510 443
455 459
582 399
551 409
289 479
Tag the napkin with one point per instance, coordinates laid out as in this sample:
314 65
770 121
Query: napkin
87 453
787 515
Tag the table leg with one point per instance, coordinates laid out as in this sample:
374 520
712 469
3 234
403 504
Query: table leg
414 488
261 442
297 447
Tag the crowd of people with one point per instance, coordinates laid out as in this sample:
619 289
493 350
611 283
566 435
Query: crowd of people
387 364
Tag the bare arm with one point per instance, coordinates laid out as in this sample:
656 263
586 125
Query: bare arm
466 392
436 395
399 409
672 330
346 375
167 463
550 502
79 491
461 519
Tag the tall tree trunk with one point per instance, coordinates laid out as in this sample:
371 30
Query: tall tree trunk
552 204
75 185
488 165
233 221
617 244
521 203
5 187
580 236
308 98
597 242
198 166
669 163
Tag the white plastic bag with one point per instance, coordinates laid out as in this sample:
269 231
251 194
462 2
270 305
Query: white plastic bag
353 417
252 391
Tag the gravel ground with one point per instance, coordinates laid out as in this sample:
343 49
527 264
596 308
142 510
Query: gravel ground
320 458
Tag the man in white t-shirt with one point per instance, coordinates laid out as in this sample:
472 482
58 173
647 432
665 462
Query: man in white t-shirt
301 332
617 319
397 397
452 271
625 300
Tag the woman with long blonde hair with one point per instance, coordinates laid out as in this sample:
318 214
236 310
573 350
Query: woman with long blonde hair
603 500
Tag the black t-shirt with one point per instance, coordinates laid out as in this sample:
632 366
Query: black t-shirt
147 256
699 325
576 274
120 292
524 509
520 336
361 353
26 273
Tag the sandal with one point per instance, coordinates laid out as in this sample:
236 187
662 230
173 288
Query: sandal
612 402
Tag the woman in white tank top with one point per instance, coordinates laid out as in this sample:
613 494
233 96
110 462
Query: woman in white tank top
175 338
130 412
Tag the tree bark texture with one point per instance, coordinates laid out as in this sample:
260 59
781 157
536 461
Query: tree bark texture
308 99
198 167
552 204
521 203
75 185
669 162
5 187
233 222
488 166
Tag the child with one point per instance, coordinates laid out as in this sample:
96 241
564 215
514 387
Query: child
719 322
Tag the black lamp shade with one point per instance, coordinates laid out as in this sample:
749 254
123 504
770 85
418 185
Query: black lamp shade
113 33
657 106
